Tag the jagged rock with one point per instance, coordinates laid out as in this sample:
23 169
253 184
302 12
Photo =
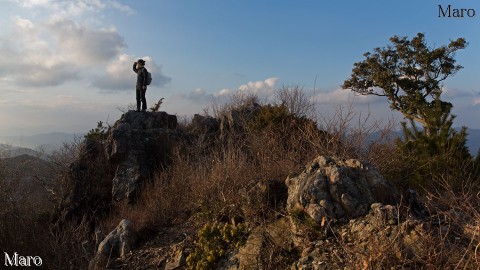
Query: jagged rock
116 163
179 259
272 241
205 124
88 184
233 120
117 244
334 188
138 144
149 120
99 236
382 227
385 214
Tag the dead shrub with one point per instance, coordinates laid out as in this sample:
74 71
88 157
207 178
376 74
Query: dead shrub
448 238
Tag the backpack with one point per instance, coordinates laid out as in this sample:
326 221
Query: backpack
149 77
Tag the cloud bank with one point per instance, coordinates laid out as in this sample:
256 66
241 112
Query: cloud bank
262 89
54 52
68 44
62 8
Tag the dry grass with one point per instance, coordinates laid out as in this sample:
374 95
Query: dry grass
212 177
29 190
447 238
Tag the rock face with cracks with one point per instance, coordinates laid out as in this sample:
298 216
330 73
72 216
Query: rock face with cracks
117 244
362 225
334 188
115 163
136 145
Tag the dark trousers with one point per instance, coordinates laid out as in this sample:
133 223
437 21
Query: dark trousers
141 98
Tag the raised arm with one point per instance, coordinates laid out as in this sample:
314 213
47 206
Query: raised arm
135 67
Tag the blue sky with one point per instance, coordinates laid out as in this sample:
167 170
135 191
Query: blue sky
64 65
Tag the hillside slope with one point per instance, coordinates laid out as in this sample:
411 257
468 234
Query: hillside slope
249 190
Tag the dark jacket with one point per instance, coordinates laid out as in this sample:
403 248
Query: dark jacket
141 75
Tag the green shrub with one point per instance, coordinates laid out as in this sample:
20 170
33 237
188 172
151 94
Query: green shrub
214 242
271 117
99 133
437 154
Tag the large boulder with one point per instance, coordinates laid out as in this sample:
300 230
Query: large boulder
332 188
380 230
137 145
114 163
117 244
205 124
234 120
87 184
269 246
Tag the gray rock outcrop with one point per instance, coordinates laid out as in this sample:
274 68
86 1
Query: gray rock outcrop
114 164
117 244
137 144
88 184
334 188
234 120
205 124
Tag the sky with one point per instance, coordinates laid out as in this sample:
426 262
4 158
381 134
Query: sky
65 65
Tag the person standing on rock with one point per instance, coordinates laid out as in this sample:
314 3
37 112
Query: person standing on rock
139 68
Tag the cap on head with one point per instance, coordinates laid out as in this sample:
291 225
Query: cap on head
141 61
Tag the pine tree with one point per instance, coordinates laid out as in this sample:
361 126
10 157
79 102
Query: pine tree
408 73
436 151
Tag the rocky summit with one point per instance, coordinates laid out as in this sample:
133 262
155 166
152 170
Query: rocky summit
135 145
115 163
321 230
237 192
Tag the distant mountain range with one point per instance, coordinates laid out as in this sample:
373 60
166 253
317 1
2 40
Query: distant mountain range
7 150
27 165
473 140
48 142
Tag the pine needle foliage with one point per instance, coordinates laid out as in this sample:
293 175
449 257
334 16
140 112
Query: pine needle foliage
438 151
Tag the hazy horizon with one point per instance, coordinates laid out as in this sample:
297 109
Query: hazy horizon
65 65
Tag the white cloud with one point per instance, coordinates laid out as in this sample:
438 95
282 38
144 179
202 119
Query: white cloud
222 93
199 99
120 76
197 94
452 93
33 3
74 8
260 88
59 50
264 88
28 59
60 44
336 96
342 96
124 8
51 53
82 45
